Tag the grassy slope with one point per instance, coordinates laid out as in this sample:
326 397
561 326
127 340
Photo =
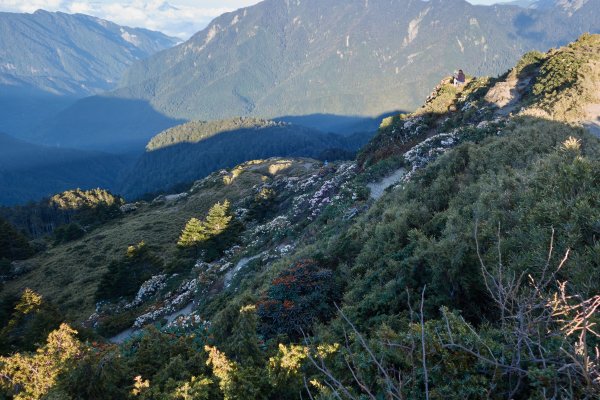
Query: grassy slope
68 274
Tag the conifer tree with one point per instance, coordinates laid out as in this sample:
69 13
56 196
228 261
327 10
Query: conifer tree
194 233
216 222
32 375
244 339
32 320
218 218
13 245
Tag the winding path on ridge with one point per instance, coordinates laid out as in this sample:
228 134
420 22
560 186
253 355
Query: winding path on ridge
128 333
378 188
593 119
233 272
187 310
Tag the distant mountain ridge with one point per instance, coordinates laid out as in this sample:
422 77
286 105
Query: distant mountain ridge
194 132
566 5
48 60
193 150
347 58
29 172
67 54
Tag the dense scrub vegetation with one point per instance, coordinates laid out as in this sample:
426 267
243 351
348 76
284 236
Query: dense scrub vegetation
298 297
124 277
516 188
567 79
431 250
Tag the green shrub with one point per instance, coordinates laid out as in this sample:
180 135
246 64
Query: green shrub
296 299
529 62
68 233
125 276
13 244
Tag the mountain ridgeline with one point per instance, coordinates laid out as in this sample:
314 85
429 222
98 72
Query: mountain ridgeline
456 258
299 58
29 172
175 157
67 54
188 152
48 60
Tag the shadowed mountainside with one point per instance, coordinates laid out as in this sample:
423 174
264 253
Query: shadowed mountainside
99 123
29 172
48 60
196 149
340 57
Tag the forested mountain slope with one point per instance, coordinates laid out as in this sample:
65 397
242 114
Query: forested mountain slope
357 57
337 57
49 60
29 172
474 274
187 152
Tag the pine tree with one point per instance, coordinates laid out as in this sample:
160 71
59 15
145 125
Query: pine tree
243 343
216 222
32 375
194 233
218 218
31 321
13 245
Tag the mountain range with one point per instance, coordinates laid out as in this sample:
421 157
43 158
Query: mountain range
298 58
175 157
70 54
50 59
322 68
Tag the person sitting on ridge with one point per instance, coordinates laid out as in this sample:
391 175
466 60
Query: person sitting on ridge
459 78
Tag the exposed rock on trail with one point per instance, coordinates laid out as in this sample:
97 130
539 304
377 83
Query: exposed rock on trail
378 188
593 119
506 95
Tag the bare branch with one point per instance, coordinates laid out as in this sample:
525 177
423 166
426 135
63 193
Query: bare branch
424 356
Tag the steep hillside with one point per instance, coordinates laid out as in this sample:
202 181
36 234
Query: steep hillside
457 258
48 60
566 5
274 188
340 57
29 172
558 85
191 151
68 54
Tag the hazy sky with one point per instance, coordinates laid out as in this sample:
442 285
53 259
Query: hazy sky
180 18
